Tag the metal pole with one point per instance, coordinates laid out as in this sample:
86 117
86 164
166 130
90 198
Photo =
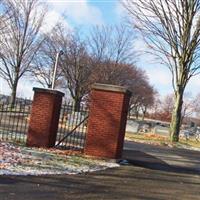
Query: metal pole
54 71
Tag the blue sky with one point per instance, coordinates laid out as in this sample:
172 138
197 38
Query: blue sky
109 10
85 13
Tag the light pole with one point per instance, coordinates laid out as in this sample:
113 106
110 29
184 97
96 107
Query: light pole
55 68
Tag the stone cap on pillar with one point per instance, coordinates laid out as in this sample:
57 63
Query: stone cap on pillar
49 91
112 88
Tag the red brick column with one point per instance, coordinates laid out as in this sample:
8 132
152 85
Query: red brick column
44 118
107 121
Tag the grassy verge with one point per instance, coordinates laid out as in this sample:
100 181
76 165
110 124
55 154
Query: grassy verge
154 139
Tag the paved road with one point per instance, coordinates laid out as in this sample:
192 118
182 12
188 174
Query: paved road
160 157
154 174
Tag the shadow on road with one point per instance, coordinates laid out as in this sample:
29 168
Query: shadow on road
141 159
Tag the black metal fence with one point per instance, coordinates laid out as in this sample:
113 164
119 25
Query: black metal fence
14 120
72 127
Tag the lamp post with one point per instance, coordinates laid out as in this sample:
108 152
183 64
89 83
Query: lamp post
55 68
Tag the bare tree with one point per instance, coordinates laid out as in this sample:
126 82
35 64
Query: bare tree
84 59
3 15
171 29
190 107
116 74
74 66
20 41
131 77
148 95
112 44
77 69
167 107
143 94
111 48
156 107
197 105
53 43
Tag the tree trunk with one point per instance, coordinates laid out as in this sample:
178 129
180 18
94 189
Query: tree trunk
13 94
176 116
144 113
77 104
136 114
49 86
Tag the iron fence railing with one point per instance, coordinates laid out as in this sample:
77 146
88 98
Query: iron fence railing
14 120
72 127
71 134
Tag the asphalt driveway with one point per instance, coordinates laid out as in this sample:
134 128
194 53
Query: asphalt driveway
152 173
162 158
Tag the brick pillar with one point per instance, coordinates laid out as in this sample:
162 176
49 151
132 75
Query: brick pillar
107 121
44 118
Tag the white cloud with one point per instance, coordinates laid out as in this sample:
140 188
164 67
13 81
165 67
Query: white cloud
159 76
140 45
80 12
51 19
24 89
120 10
193 85
195 80
4 89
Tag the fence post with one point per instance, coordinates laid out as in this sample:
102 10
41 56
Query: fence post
107 121
44 117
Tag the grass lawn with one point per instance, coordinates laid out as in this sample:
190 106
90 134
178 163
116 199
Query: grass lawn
155 139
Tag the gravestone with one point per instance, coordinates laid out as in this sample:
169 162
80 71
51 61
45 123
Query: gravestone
165 131
132 126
